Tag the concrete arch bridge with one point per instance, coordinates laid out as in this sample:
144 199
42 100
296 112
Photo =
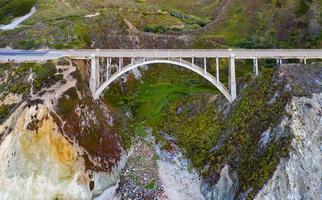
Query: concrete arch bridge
109 64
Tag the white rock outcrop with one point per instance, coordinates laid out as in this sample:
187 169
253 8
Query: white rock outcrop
40 163
37 162
299 176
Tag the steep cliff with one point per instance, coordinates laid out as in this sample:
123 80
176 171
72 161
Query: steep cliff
238 148
50 144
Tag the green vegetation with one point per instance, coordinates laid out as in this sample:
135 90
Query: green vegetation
195 123
67 105
198 8
190 20
18 74
150 186
14 8
4 112
45 74
198 128
155 28
148 100
251 117
303 7
251 24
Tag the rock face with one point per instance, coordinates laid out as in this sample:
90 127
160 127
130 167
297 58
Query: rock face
296 172
299 177
42 159
225 188
37 162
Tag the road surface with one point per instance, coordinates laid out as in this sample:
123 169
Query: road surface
42 55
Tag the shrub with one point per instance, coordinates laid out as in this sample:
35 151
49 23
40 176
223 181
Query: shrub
4 112
155 28
303 7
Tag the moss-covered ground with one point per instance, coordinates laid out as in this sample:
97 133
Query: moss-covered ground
214 141
147 100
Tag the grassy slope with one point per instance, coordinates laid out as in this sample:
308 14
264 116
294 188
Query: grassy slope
251 24
264 24
149 99
194 7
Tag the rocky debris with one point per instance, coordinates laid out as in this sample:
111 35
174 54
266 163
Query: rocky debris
140 180
180 180
299 176
105 184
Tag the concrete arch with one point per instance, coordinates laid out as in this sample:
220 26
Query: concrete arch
183 63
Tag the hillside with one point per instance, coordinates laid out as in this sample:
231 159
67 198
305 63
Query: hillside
161 132
162 24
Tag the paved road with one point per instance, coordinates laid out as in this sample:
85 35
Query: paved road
39 55
18 21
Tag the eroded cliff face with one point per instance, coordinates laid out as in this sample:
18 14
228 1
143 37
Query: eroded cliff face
38 162
51 153
295 172
299 176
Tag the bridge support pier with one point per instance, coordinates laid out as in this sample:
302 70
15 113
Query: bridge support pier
205 65
232 79
279 61
217 69
255 66
93 75
108 66
120 64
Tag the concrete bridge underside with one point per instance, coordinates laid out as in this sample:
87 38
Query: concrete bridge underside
102 78
106 70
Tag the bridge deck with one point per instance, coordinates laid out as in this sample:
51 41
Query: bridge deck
6 54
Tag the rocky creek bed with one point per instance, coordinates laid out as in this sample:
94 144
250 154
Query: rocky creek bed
154 171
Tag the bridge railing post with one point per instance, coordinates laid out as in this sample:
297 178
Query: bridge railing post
232 78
